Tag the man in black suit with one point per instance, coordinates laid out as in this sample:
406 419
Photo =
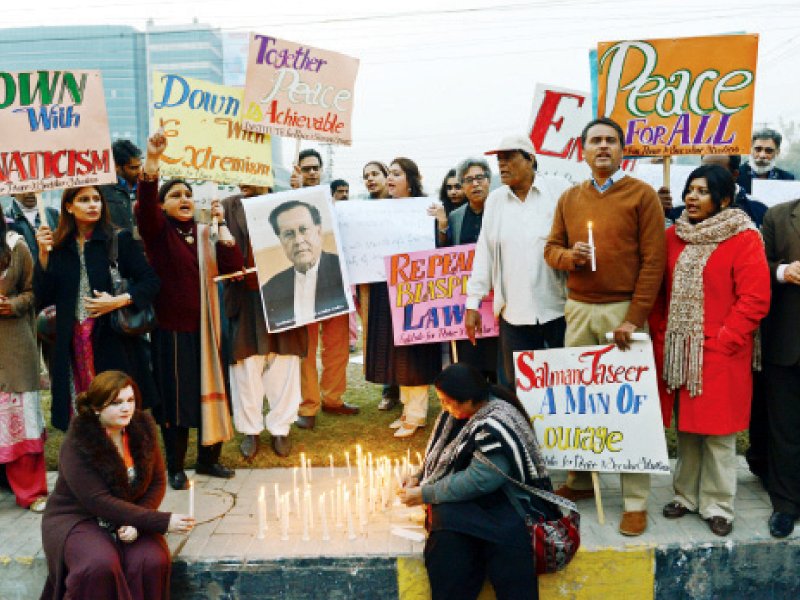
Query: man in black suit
312 288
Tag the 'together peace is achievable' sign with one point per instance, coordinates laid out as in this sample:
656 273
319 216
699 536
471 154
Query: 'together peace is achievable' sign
594 408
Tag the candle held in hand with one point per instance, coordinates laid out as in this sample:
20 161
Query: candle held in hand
591 243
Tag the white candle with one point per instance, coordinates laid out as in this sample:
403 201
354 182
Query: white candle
297 501
304 468
333 505
285 517
362 508
339 503
262 513
277 503
294 477
591 243
323 517
308 470
347 461
330 460
306 516
191 498
351 534
419 460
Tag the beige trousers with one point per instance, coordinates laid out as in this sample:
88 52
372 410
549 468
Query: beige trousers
705 474
587 325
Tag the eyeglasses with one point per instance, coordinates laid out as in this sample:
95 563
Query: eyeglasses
310 169
475 179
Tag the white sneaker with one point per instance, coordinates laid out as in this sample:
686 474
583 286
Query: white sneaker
406 430
397 423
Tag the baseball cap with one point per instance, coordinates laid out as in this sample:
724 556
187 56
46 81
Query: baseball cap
514 142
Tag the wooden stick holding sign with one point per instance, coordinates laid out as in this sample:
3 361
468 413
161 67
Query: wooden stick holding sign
667 163
42 213
241 273
598 499
454 351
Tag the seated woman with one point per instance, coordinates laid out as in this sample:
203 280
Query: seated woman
474 524
716 291
102 530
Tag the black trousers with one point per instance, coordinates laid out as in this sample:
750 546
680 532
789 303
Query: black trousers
783 406
176 442
458 564
757 451
516 338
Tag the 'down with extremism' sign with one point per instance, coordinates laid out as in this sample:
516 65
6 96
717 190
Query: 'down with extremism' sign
428 296
594 408
680 96
207 142
53 131
296 90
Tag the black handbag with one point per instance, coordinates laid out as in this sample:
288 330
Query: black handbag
128 320
553 542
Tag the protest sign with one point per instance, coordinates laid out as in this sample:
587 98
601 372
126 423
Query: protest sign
653 174
53 131
428 296
296 250
680 96
558 117
296 90
774 191
371 230
206 141
594 408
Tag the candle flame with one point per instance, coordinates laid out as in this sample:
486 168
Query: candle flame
589 224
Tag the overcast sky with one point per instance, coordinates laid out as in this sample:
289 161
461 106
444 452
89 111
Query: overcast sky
443 80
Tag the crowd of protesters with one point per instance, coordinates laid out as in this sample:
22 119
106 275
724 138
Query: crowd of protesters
701 286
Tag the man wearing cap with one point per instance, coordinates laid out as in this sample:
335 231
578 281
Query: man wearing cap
617 292
529 296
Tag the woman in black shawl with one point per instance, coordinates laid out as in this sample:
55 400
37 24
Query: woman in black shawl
473 519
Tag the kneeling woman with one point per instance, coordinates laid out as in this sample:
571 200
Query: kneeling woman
101 530
474 524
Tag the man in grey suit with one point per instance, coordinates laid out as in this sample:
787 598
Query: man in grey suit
781 357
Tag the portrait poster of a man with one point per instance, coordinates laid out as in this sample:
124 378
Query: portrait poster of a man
296 250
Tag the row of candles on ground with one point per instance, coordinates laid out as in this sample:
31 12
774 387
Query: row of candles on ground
378 478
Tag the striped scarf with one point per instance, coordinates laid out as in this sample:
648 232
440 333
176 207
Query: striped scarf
683 344
496 426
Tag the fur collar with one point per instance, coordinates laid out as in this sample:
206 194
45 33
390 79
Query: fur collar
99 452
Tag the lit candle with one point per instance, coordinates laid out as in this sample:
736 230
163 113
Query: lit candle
339 503
304 468
419 460
262 513
297 501
285 517
347 461
362 508
591 243
277 502
294 477
330 460
323 517
333 505
308 470
191 498
351 534
306 516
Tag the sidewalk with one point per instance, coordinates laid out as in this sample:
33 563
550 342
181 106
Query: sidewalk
223 558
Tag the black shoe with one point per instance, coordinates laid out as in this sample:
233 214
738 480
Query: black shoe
781 524
675 510
249 446
178 481
306 422
342 409
719 526
215 470
282 445
388 403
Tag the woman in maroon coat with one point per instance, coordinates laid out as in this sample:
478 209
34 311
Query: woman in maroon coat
717 290
101 530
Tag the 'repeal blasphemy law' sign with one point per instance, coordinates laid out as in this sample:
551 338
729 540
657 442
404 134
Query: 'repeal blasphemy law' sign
53 131
594 408
680 96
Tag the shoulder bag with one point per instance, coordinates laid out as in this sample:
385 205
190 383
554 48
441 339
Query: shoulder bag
554 542
128 320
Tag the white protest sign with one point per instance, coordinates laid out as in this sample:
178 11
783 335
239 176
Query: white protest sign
774 191
557 118
653 175
371 230
595 408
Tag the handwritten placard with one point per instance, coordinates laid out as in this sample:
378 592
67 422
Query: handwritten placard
595 408
207 142
53 131
428 296
680 96
296 90
371 230
557 119
774 191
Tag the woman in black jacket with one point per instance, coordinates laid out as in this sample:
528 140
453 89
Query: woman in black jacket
72 272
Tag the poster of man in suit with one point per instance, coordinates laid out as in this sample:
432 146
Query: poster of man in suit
296 250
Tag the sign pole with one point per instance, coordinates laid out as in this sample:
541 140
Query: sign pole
453 351
666 164
42 213
598 499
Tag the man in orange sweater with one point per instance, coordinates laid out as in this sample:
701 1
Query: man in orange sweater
617 295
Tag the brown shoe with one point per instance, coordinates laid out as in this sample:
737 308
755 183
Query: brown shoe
567 492
342 409
633 522
719 526
675 510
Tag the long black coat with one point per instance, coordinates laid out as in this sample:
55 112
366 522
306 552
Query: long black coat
59 285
